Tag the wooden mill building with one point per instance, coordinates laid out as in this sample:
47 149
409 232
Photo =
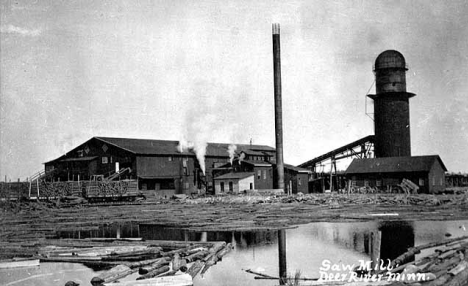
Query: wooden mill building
156 164
428 172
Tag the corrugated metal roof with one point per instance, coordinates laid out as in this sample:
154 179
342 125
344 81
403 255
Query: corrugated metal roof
166 147
394 164
240 175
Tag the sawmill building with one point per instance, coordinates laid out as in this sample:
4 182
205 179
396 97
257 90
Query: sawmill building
157 164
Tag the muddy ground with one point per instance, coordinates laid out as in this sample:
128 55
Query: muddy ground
26 225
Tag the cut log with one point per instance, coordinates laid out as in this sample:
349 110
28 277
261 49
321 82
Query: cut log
460 279
154 273
112 274
214 249
195 268
155 265
73 259
197 256
459 268
143 263
224 251
176 280
260 274
416 250
179 263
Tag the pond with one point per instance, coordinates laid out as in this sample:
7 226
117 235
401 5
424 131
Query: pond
308 247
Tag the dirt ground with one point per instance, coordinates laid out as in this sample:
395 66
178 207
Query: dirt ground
26 225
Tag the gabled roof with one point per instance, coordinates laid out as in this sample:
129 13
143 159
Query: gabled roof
297 169
240 175
167 147
394 164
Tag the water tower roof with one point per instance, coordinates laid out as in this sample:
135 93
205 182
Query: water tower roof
390 59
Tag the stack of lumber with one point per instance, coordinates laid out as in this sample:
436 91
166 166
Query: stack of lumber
409 187
152 260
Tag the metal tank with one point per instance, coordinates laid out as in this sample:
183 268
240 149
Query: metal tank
391 106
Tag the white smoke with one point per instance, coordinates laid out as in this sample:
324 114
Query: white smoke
198 147
241 157
232 151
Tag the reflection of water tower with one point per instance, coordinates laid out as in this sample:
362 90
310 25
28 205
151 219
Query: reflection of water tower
391 106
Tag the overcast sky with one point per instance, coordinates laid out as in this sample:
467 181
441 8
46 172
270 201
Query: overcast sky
71 70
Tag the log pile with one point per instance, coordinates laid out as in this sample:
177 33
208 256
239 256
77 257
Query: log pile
340 199
151 259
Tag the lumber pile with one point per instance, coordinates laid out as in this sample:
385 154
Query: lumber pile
151 259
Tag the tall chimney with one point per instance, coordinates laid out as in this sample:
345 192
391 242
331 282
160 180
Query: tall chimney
278 108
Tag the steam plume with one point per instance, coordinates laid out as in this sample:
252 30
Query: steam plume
232 151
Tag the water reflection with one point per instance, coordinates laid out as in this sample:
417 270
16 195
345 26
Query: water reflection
117 230
239 239
304 248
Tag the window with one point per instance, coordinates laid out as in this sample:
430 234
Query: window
299 182
170 158
441 183
231 186
185 171
259 174
222 186
421 181
105 160
264 174
251 186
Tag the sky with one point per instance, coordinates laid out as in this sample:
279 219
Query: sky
174 70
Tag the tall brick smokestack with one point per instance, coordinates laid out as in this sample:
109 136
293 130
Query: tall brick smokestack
278 107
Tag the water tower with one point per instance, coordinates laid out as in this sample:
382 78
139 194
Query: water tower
391 106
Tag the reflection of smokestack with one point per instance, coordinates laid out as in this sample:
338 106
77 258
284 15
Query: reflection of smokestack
278 110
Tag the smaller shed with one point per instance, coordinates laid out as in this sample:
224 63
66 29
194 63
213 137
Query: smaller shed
428 172
234 183
296 179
